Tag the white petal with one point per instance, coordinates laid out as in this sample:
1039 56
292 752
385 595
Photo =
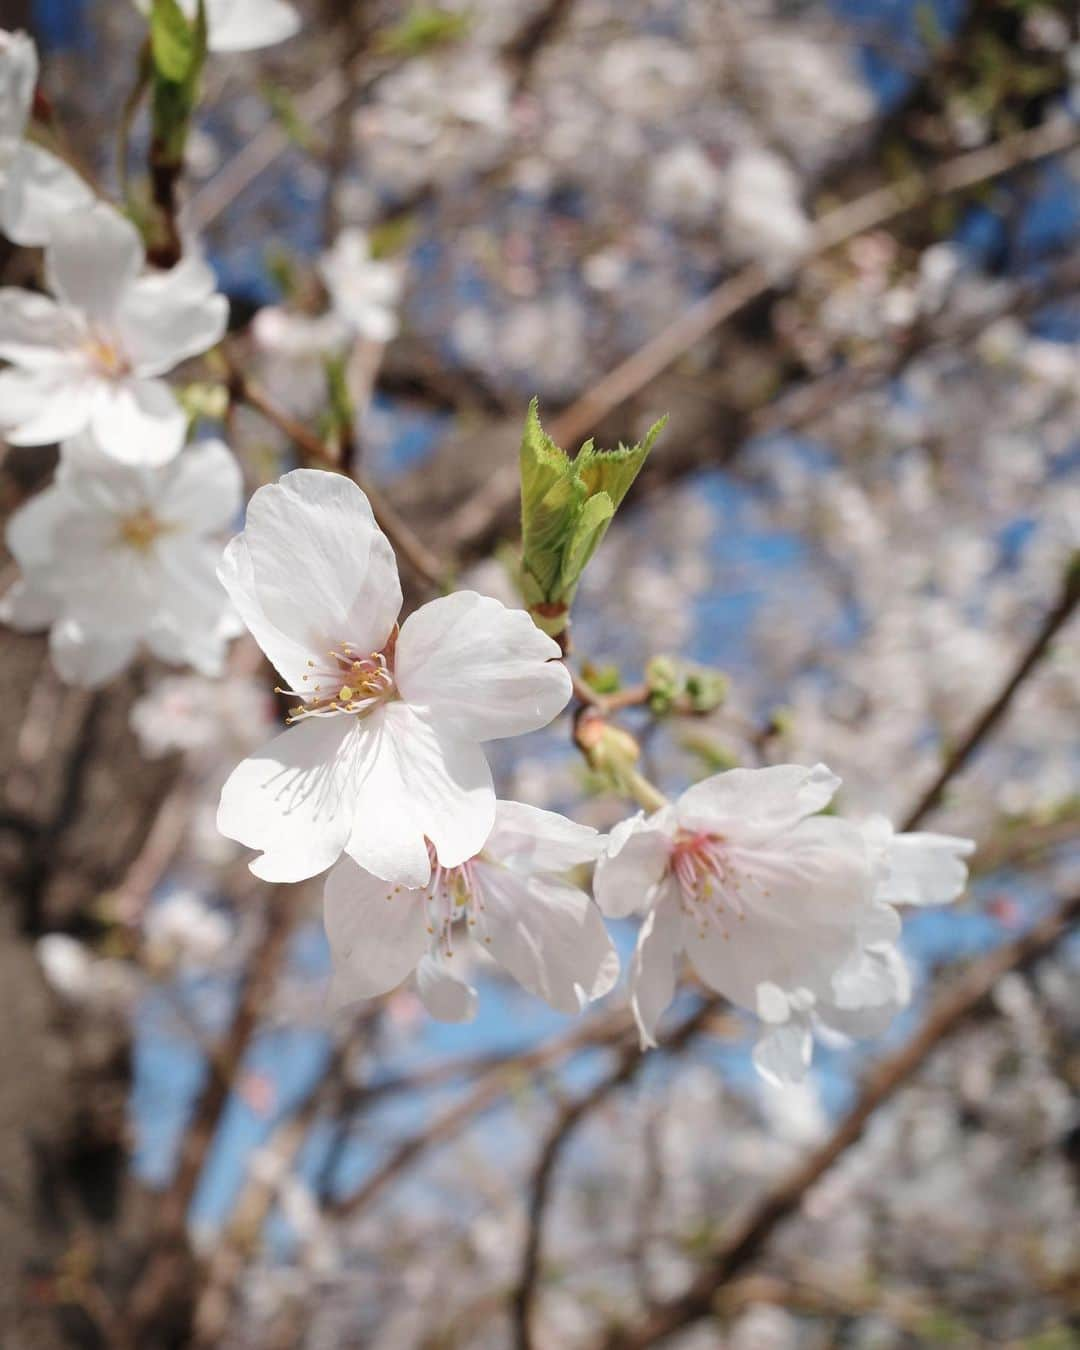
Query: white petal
204 489
166 317
480 669
92 257
530 840
18 79
655 965
138 421
443 993
754 804
245 25
377 932
296 799
40 407
419 784
28 607
782 1053
40 188
632 865
88 657
190 596
868 991
32 529
548 935
925 869
35 332
804 901
324 573
773 1005
235 574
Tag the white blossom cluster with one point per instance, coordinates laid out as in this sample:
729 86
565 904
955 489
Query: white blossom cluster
381 776
779 889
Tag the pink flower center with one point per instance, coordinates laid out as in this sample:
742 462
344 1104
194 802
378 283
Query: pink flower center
709 882
345 682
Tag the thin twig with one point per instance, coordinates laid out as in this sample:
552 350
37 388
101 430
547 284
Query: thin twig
951 1010
420 558
985 723
488 1093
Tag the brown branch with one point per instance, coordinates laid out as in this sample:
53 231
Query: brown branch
472 521
967 994
985 723
521 52
572 1115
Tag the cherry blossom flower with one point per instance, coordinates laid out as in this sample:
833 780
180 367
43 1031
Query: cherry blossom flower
114 556
242 25
512 898
91 358
770 901
364 292
35 185
384 751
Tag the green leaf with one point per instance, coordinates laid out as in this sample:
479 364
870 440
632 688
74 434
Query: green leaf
591 526
173 41
567 506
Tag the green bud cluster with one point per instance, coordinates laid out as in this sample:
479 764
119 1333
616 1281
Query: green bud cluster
675 686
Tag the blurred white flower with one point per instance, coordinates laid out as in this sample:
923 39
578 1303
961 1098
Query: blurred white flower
114 556
764 218
293 350
364 292
385 752
91 358
191 713
36 187
83 979
685 185
183 927
511 896
241 25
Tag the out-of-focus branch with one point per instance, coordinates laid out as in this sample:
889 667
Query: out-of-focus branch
420 558
630 1060
163 1265
985 723
524 47
473 520
488 1093
952 1009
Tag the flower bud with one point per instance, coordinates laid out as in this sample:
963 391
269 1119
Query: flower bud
566 508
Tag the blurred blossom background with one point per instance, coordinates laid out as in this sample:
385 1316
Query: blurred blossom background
839 243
